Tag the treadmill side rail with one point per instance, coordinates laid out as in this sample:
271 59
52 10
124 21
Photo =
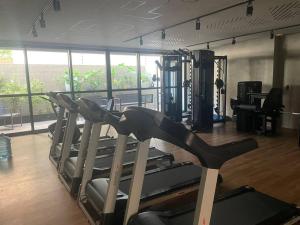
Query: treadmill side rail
67 140
206 194
115 175
91 156
57 131
137 180
83 149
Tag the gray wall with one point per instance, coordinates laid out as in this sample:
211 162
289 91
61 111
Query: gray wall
250 60
253 60
292 79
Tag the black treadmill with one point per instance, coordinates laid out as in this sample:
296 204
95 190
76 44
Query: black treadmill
243 206
160 184
72 166
60 151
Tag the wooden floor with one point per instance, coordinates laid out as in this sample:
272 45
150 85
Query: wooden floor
31 193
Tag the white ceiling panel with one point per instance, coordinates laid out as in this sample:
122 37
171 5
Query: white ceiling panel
111 22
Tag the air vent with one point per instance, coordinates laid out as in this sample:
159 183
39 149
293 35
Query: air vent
285 11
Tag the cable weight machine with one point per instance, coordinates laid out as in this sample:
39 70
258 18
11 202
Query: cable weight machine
193 87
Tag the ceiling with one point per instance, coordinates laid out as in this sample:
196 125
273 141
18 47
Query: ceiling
106 23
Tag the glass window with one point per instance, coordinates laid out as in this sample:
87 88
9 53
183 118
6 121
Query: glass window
14 111
125 98
149 71
12 72
123 71
49 71
89 71
14 114
150 98
43 113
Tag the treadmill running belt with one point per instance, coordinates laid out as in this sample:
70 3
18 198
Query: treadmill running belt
166 180
104 163
155 184
249 208
107 143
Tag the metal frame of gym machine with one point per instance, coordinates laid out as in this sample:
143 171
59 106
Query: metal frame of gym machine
182 83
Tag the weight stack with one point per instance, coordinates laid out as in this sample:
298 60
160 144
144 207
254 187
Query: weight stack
202 90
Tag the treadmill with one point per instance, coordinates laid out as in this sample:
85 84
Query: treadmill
161 185
60 151
70 171
243 206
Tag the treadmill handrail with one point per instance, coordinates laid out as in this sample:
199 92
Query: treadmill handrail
99 113
146 124
52 97
66 102
90 110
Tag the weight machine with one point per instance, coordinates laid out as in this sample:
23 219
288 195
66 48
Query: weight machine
194 87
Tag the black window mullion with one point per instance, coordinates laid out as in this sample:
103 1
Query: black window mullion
71 73
139 81
108 75
28 89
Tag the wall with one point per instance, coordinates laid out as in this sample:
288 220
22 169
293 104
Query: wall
249 60
253 60
292 79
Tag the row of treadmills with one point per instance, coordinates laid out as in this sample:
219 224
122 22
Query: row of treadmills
124 181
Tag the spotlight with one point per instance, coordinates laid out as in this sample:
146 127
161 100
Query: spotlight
233 41
198 24
207 45
34 32
272 34
163 34
249 11
42 21
56 5
141 40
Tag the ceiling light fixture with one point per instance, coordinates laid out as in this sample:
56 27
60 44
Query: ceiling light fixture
34 32
141 41
233 41
56 5
198 24
42 21
249 11
163 34
272 34
207 45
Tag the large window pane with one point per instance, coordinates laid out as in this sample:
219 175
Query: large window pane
149 71
150 98
43 113
49 71
99 97
14 115
123 71
89 71
125 98
12 72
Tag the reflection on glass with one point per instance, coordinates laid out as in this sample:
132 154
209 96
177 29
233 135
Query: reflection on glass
49 71
123 71
149 71
89 71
